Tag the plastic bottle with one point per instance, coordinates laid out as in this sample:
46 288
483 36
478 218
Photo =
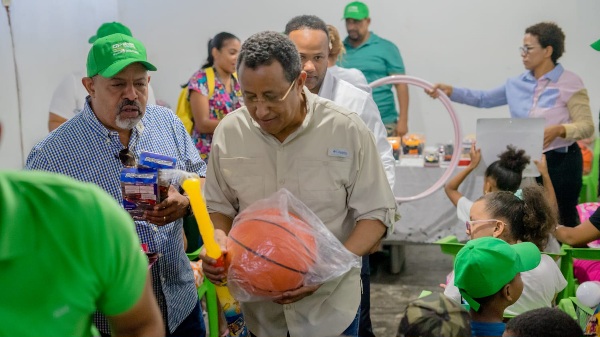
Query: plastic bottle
588 293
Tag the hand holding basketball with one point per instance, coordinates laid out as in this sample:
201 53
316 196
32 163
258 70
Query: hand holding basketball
270 253
296 295
279 250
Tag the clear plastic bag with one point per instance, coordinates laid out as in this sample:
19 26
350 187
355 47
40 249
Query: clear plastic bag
278 244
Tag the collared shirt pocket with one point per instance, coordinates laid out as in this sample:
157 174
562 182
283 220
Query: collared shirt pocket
245 177
323 186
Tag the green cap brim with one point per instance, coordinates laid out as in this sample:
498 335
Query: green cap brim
354 16
472 303
596 45
529 254
116 67
93 39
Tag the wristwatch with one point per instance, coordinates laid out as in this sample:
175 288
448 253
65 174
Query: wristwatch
189 210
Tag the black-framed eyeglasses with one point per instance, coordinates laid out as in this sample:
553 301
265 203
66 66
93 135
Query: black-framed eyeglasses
526 49
126 157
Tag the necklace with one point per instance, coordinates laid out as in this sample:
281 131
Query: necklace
227 85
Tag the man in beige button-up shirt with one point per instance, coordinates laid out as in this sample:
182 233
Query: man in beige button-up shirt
325 155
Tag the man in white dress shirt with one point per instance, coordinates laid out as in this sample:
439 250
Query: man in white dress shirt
311 37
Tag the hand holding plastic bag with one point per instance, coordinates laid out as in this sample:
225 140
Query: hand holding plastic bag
277 245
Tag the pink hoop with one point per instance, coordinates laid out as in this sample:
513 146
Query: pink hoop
394 79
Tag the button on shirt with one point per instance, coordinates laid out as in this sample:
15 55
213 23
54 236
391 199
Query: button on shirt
558 96
377 58
356 100
86 150
331 164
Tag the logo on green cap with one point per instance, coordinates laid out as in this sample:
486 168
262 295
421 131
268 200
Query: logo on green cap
125 47
356 10
111 54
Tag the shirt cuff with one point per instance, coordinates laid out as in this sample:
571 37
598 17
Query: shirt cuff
387 216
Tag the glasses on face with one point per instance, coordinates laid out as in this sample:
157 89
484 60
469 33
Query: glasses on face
526 49
126 157
471 223
269 99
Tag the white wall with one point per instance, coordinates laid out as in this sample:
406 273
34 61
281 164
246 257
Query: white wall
465 43
50 40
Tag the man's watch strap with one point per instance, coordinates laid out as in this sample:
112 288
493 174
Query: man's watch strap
189 210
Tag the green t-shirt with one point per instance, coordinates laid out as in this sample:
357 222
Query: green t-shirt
377 58
67 249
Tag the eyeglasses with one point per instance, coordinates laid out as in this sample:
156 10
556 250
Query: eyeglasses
126 157
269 99
526 49
472 223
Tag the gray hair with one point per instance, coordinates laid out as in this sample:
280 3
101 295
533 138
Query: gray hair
262 49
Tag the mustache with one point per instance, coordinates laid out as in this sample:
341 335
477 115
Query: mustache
129 102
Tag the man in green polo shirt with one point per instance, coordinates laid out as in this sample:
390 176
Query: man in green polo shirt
376 58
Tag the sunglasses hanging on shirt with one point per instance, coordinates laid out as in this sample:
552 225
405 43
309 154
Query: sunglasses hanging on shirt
126 157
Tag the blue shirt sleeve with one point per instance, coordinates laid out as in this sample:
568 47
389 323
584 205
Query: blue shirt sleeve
480 98
37 161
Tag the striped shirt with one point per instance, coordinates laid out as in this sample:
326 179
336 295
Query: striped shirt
85 149
558 96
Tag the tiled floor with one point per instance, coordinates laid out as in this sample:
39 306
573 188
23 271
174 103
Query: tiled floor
425 268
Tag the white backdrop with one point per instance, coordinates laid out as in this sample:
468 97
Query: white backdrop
463 42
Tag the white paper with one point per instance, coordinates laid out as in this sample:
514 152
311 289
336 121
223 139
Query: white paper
494 134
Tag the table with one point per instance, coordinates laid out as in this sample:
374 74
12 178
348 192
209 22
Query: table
431 218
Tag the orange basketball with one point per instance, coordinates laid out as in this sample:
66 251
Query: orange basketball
270 253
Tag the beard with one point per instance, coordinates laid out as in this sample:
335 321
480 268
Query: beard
355 36
128 123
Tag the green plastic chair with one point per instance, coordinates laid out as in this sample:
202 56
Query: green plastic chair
207 289
566 267
574 308
449 245
567 306
589 188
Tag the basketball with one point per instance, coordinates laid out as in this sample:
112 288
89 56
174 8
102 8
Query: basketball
270 253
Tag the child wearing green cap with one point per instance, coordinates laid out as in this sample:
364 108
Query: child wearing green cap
525 216
488 276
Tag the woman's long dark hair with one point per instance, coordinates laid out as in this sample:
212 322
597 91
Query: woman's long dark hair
216 42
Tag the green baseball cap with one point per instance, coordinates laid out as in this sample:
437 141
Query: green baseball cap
485 265
111 54
434 316
109 28
356 10
596 45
